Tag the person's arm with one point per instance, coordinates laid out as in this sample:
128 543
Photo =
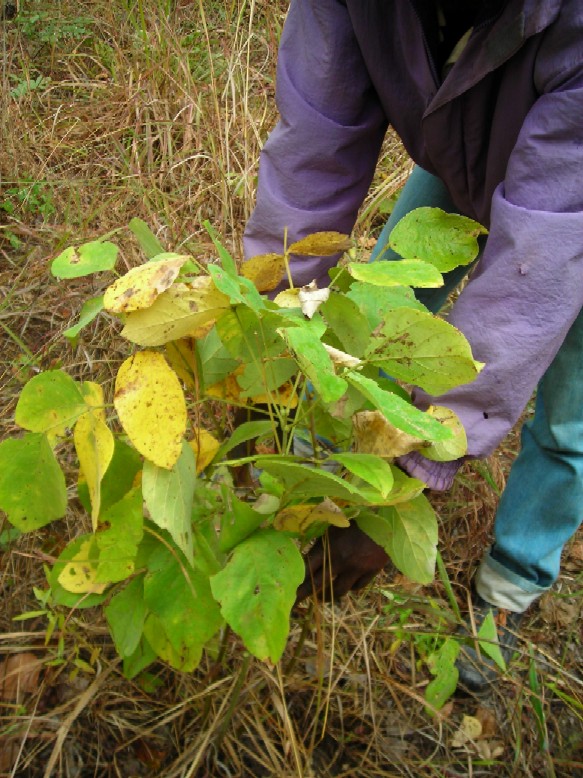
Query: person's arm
528 289
317 165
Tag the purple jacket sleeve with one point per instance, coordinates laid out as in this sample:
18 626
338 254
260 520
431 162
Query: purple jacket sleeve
528 288
318 162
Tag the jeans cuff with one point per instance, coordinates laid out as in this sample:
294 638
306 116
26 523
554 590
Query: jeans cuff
503 588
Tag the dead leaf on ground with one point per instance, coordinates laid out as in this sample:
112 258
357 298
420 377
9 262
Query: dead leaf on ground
19 674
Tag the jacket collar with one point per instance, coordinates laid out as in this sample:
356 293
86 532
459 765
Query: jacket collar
492 44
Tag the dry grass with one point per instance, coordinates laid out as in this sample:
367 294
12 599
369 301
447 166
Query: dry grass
158 110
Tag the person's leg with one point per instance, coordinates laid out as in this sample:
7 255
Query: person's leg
542 505
421 190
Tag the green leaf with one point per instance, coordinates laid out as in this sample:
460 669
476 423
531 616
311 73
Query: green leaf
227 260
168 495
60 595
118 544
303 481
32 485
207 554
238 521
244 432
315 362
400 413
370 468
442 666
408 533
50 402
125 615
488 640
93 257
348 323
143 656
215 359
376 301
404 489
238 289
149 243
404 272
446 240
258 379
184 615
422 349
90 310
257 590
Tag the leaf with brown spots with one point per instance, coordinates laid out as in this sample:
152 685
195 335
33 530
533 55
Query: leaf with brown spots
265 270
151 407
321 244
140 286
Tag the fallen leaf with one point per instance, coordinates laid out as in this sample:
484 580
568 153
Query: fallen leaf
469 731
19 674
488 721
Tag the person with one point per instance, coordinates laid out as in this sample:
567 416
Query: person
487 98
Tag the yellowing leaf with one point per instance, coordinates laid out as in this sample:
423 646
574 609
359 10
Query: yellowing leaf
454 448
184 310
289 298
94 443
285 396
265 270
141 285
180 354
375 435
205 446
321 244
297 518
78 575
470 729
151 407
228 390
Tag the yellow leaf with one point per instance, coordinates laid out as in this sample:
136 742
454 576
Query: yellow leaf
289 298
455 447
228 390
285 396
265 270
297 518
94 443
185 310
375 435
78 575
151 407
141 285
205 446
470 729
321 244
180 354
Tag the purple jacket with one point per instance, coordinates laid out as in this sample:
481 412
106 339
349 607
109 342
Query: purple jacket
504 132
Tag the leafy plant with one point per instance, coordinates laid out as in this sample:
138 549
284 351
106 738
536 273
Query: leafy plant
178 549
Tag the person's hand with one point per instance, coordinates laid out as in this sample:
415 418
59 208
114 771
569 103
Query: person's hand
344 559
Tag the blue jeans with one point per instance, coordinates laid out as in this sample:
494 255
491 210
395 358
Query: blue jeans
542 505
